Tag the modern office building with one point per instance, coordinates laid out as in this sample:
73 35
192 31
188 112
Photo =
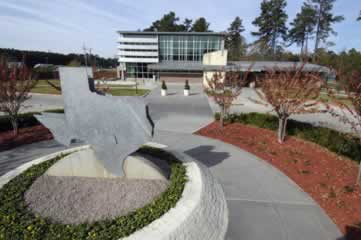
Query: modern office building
177 56
159 55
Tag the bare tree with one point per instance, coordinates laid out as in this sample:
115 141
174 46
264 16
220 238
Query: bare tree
224 88
348 112
15 85
290 92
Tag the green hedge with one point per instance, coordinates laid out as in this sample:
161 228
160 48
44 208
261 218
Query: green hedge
25 120
339 143
17 222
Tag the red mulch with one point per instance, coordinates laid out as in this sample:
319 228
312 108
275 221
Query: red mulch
25 136
328 178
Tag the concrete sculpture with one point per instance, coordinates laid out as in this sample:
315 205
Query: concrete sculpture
115 127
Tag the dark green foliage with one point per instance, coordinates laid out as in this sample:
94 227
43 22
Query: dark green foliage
187 24
302 27
170 23
25 120
235 42
164 86
339 143
186 85
271 25
35 57
324 20
200 25
349 189
16 222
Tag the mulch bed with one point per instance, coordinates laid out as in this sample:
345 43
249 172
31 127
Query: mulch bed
25 136
328 178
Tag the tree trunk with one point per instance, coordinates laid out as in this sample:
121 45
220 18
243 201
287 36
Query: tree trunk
306 48
282 124
221 118
317 40
274 45
14 124
358 181
302 51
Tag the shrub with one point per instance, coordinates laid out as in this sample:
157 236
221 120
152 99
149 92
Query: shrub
16 222
186 86
164 86
24 120
340 143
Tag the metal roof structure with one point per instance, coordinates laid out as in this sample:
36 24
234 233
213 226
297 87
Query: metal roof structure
184 66
256 66
174 33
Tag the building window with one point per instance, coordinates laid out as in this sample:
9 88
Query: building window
188 47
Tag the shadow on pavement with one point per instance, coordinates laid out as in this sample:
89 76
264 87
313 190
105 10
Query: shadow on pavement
205 155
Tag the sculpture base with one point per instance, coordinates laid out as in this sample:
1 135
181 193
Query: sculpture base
85 164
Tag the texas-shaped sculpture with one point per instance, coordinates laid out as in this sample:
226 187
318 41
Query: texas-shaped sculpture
115 127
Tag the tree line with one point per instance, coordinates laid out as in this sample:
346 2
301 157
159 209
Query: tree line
32 58
314 21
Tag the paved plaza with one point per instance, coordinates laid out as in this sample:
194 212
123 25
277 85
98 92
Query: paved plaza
263 203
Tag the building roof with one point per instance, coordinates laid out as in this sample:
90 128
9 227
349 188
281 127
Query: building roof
257 66
260 66
174 33
184 66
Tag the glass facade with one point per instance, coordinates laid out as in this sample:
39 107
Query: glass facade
187 47
137 51
138 71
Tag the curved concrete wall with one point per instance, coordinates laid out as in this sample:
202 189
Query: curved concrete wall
13 173
200 214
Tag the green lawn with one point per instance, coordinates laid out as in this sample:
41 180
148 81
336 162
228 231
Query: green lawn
326 98
116 90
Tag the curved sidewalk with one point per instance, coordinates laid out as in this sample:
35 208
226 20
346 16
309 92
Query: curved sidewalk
263 203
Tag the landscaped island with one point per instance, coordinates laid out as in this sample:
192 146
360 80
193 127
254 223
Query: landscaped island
18 221
323 162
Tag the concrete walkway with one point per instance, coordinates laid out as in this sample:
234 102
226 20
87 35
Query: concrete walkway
263 203
177 112
244 105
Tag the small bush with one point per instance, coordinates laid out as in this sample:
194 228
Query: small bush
340 143
17 222
24 120
164 86
186 85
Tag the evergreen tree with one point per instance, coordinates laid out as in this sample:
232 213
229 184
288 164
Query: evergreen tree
168 23
303 27
271 24
201 25
235 42
187 25
359 18
325 19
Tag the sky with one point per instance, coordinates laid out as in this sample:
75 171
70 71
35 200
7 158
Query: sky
66 25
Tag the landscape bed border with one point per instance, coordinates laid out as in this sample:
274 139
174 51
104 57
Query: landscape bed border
18 222
343 144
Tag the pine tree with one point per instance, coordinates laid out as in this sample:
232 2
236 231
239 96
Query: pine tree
168 23
271 24
201 25
235 42
303 27
325 19
187 25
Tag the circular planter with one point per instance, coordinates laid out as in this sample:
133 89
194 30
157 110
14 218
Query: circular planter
186 92
201 212
163 92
